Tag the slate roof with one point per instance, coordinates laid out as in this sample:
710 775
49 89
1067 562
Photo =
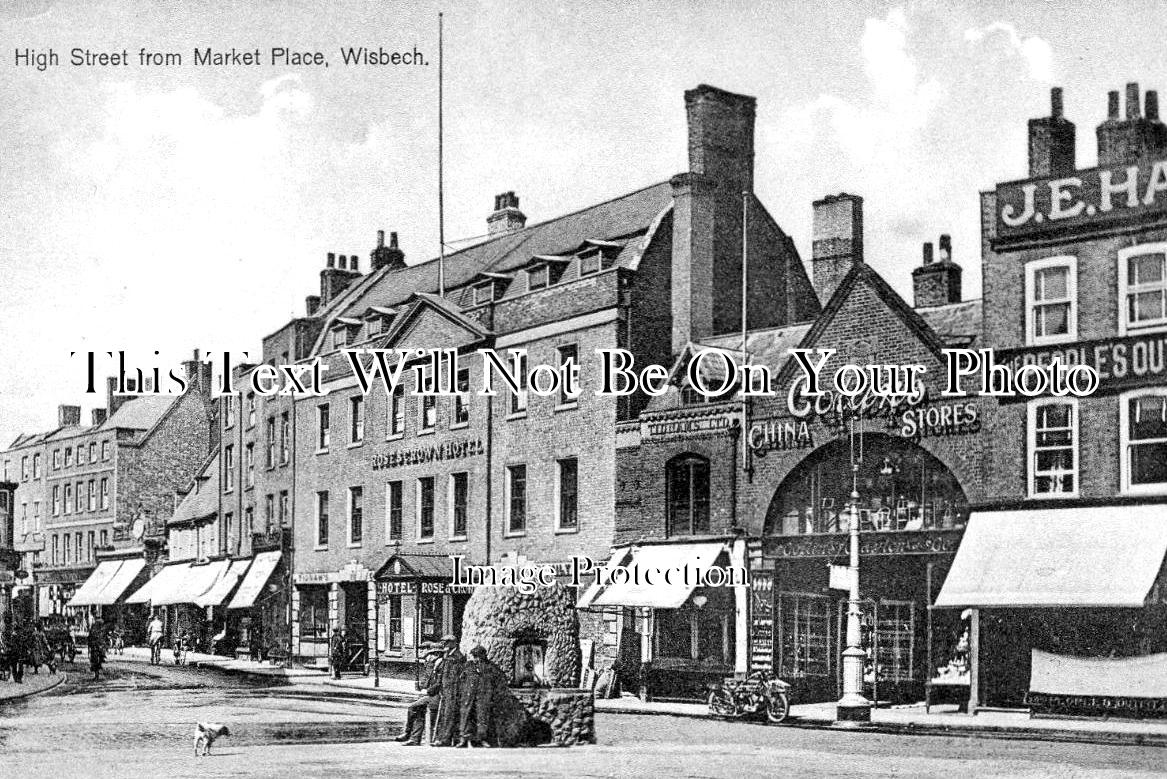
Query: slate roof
141 413
616 219
958 324
203 498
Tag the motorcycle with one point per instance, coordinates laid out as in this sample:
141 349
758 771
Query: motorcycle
761 692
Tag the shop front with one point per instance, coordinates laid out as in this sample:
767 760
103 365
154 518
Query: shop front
911 512
327 601
417 604
190 599
260 607
104 592
689 632
1066 608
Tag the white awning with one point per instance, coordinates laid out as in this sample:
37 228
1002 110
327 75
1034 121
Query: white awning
97 581
168 580
1101 556
593 591
646 584
200 578
224 584
120 582
255 580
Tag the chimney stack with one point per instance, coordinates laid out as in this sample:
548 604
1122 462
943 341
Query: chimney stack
506 217
336 276
937 283
836 241
1051 141
198 375
311 304
1126 141
68 416
114 401
386 256
99 415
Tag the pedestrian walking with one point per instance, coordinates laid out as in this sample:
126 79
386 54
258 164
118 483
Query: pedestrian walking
14 650
97 647
154 635
336 652
42 653
427 702
478 689
450 676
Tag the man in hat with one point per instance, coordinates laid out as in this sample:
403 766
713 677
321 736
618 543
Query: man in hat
449 677
482 682
427 701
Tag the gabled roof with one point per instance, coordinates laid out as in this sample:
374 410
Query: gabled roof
958 324
415 566
141 413
203 499
627 215
425 300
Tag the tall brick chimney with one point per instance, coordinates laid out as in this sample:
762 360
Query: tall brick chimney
336 276
1051 141
937 283
68 416
198 375
506 217
1125 141
99 415
707 214
387 256
836 241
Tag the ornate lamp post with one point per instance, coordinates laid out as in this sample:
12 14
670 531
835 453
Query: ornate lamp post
853 707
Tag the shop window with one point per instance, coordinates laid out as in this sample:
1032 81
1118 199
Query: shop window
459 503
425 507
568 497
805 649
1142 287
356 419
430 617
314 613
322 518
356 515
323 428
396 635
396 423
1143 438
689 633
393 510
1051 300
462 399
688 495
517 499
1053 448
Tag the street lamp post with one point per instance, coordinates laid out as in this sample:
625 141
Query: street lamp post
853 707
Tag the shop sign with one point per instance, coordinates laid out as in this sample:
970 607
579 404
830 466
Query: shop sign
1090 200
941 419
451 450
870 544
779 435
1121 363
397 588
314 577
672 428
445 588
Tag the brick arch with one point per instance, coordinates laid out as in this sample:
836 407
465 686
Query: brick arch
820 485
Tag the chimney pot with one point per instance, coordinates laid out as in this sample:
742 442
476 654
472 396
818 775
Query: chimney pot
380 238
506 216
1152 107
312 304
928 253
1132 100
1112 104
1055 103
946 248
354 263
332 259
392 240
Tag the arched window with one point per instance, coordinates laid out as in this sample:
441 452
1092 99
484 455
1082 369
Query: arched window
688 495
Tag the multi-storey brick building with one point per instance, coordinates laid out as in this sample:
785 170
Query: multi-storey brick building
1067 557
91 499
689 486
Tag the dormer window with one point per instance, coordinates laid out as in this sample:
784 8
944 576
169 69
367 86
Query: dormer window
377 320
590 262
373 326
339 338
484 293
344 332
537 277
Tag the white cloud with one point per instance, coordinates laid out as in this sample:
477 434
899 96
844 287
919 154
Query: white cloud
1037 53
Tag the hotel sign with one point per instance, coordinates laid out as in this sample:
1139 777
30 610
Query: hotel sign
1122 363
1088 201
673 428
451 450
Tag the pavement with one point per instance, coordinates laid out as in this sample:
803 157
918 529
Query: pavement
943 720
32 684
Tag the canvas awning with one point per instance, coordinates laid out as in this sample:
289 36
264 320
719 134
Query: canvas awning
161 585
181 583
97 581
256 579
121 580
1100 556
224 584
646 586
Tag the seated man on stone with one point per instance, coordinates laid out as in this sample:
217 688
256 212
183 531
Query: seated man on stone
426 702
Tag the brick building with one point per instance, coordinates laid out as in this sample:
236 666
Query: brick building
1066 557
779 499
91 500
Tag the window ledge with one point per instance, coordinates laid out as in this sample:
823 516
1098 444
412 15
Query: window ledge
354 544
320 548
355 444
561 531
460 425
516 415
427 431
395 436
1144 489
322 451
567 406
514 534
1053 495
457 539
421 541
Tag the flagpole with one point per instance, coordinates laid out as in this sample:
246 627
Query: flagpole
441 176
745 324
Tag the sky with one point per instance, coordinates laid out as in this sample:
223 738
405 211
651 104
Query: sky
172 208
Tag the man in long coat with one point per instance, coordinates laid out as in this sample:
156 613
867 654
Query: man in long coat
482 683
449 677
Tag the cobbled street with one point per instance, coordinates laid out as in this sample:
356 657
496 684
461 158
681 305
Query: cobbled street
138 722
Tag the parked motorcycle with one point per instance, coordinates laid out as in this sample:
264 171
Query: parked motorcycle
761 692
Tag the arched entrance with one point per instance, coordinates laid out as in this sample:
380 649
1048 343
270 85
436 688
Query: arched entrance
911 510
901 486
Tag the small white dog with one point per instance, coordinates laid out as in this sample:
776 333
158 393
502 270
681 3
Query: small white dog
205 735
